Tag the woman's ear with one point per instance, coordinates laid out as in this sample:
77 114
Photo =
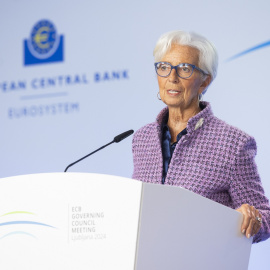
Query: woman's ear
205 83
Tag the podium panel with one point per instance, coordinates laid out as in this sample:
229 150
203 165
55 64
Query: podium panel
182 230
90 221
68 221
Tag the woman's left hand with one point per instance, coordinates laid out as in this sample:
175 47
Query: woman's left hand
252 220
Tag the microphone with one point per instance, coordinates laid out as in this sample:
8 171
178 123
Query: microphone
122 136
116 139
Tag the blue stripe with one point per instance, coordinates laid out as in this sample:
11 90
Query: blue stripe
52 95
257 47
18 232
25 222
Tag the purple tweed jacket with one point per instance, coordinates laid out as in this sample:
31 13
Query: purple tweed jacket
213 159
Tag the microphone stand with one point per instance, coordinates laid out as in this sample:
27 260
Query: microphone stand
87 156
116 139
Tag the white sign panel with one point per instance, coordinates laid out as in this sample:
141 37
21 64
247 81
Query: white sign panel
68 221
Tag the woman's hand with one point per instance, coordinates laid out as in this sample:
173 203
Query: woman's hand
252 220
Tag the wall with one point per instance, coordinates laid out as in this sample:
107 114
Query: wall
101 81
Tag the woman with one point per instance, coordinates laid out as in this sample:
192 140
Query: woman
188 146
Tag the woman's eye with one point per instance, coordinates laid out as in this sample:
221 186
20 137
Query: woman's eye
185 69
163 67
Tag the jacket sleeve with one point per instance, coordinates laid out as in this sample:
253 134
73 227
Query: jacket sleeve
134 153
246 187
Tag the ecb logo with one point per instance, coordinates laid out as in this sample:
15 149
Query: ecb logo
44 44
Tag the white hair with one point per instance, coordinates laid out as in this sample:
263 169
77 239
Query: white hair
208 57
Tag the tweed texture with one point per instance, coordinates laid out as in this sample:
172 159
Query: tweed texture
213 159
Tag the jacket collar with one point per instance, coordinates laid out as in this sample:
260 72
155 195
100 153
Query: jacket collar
194 122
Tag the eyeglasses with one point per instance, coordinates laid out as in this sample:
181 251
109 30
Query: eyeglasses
183 70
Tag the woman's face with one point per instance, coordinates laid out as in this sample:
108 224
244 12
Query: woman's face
175 91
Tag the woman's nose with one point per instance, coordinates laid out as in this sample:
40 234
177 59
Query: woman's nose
173 77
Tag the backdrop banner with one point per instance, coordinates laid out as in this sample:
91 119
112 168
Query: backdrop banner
74 75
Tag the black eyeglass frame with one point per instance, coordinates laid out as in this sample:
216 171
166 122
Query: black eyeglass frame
175 67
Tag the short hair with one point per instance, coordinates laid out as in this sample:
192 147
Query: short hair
208 57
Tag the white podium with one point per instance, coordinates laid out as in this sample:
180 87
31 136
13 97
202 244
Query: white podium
89 221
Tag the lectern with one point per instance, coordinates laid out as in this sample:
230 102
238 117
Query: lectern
91 221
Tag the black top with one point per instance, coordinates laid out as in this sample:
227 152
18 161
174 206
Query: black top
168 148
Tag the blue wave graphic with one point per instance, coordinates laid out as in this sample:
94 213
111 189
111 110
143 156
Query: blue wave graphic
25 222
257 47
17 232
